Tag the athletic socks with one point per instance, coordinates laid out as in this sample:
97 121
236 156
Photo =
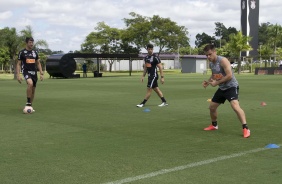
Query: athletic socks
245 126
163 99
28 103
144 101
214 123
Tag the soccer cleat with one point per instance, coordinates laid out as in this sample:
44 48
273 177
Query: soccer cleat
140 105
163 104
246 133
211 127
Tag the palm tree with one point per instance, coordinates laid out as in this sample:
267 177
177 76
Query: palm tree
28 32
238 43
266 52
11 40
275 36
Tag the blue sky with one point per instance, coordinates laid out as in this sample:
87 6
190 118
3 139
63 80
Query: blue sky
64 24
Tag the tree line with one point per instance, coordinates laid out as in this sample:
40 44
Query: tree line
165 34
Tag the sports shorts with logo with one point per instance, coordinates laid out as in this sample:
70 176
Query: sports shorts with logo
229 94
31 75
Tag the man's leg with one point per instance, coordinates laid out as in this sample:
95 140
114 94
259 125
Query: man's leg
239 111
213 111
241 116
147 96
213 114
158 91
29 91
160 94
218 98
33 94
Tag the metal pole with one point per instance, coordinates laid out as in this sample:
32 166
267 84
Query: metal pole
220 39
260 54
190 45
178 52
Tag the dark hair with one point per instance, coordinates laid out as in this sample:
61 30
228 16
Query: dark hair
209 47
27 39
150 46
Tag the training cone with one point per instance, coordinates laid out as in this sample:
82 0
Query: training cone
272 146
263 104
146 110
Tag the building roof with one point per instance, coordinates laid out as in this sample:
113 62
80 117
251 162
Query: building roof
175 55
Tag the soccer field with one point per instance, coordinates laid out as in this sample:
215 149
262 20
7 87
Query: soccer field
89 130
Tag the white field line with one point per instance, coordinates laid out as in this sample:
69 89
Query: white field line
180 168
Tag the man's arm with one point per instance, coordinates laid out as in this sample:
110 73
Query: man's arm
40 69
18 71
144 72
160 66
206 82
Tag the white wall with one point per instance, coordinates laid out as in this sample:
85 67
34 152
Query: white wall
138 65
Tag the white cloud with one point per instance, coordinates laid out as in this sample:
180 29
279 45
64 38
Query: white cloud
65 24
22 22
5 15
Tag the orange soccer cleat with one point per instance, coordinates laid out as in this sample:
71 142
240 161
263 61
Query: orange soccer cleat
246 133
211 127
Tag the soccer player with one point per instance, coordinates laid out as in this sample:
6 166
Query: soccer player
151 63
28 62
84 68
223 77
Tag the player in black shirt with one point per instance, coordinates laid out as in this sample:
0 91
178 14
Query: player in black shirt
28 63
152 62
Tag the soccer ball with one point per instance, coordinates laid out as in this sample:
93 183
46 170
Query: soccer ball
27 110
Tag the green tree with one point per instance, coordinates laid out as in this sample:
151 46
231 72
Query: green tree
238 43
4 57
263 32
223 33
203 39
90 43
162 32
266 52
275 37
43 59
125 45
11 41
166 34
45 51
224 51
28 32
137 31
279 53
104 40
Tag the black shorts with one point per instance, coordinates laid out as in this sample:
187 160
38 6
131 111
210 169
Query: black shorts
29 75
152 82
230 94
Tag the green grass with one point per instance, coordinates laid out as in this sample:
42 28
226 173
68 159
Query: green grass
88 130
